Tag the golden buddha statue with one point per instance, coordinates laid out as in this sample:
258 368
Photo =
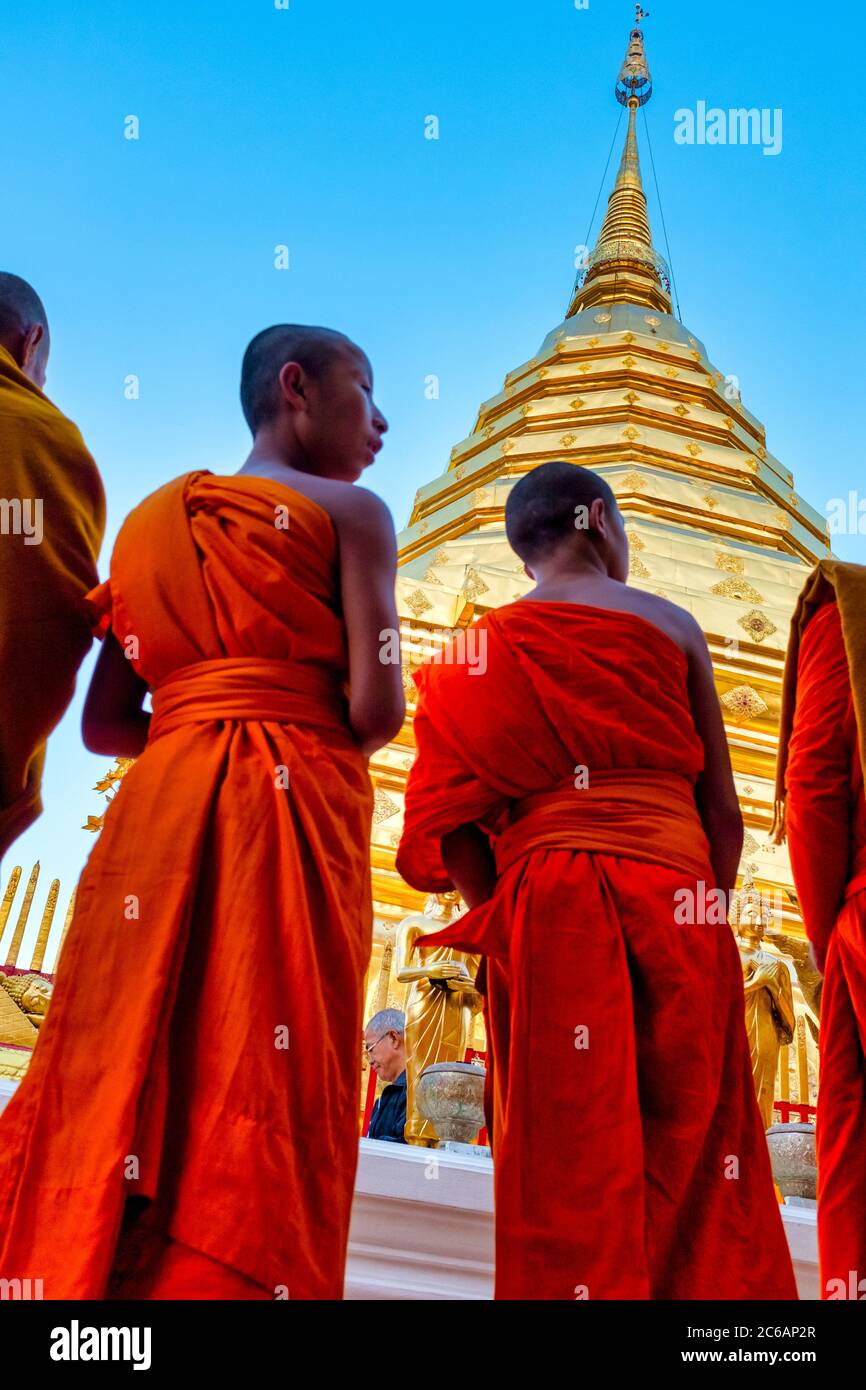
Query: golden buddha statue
440 1006
32 994
770 1018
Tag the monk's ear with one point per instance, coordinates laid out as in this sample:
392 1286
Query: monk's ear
528 572
292 381
598 518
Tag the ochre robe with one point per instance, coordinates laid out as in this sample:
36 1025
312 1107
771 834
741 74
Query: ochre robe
207 1014
629 1157
47 473
825 816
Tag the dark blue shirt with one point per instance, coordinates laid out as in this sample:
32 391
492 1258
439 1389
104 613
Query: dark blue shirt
388 1119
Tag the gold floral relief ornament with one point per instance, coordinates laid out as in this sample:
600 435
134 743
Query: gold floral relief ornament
417 602
742 702
734 564
757 625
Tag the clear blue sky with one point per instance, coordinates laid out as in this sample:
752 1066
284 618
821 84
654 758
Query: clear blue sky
305 126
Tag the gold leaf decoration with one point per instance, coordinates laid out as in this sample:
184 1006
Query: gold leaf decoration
633 481
734 564
652 321
671 372
681 411
567 440
744 703
757 625
751 463
460 472
487 431
577 403
635 541
628 337
629 361
602 318
631 433
632 397
695 450
593 342
506 446
383 807
737 588
474 585
418 602
636 567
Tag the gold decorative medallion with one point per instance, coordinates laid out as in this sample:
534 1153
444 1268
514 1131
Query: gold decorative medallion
418 603
629 362
568 440
652 321
744 703
757 625
601 318
474 585
681 411
383 807
734 564
695 450
632 397
577 403
739 589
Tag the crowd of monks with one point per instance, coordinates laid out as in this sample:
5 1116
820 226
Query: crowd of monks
570 794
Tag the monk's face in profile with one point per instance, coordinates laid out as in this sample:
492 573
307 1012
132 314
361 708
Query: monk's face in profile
615 542
341 430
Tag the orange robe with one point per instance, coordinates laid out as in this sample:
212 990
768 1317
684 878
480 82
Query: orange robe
629 1157
44 627
202 1045
825 815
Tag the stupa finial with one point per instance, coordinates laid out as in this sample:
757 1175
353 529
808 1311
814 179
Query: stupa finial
634 83
625 266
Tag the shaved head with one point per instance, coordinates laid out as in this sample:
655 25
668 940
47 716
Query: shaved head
20 306
314 349
24 326
548 505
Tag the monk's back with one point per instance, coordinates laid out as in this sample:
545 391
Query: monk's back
607 689
253 573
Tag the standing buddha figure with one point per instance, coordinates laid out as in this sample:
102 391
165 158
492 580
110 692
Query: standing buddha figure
440 1006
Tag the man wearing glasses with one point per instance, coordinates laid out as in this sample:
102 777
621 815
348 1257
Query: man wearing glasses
385 1045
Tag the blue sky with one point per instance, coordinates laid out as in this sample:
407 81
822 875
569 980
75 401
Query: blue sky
305 127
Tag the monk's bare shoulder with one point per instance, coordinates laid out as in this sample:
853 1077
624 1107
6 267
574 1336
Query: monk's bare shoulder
356 511
673 620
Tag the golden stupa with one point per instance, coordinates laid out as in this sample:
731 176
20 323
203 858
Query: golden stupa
622 386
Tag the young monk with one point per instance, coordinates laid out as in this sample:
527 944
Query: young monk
821 762
52 518
579 794
188 1125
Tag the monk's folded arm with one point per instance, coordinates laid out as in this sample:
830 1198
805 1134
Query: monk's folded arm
368 567
467 856
715 793
113 722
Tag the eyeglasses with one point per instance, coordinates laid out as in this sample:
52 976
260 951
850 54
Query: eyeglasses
369 1048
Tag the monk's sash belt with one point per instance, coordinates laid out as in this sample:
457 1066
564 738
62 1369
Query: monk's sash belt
254 688
641 814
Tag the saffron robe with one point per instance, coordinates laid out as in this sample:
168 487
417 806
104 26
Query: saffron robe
629 1157
825 818
46 569
202 1045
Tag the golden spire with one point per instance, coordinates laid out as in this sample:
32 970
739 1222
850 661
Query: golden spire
625 266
